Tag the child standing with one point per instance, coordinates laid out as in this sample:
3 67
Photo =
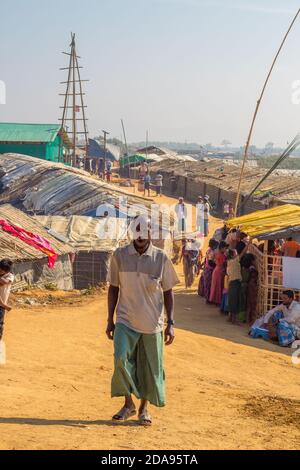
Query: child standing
147 182
6 281
224 303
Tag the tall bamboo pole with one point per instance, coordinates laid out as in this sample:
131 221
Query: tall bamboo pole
256 111
74 101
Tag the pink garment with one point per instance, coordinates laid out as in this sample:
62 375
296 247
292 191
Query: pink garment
217 282
31 239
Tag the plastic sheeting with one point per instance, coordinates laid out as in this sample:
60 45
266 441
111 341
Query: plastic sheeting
265 222
87 233
51 188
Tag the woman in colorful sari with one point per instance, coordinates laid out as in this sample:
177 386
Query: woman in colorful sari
217 281
209 266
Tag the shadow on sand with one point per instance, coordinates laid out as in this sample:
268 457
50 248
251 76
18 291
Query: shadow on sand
193 314
66 422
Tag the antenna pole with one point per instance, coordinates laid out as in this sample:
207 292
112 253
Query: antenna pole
256 111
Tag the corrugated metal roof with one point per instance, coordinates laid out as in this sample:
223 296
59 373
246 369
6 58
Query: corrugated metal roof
17 250
17 132
53 188
46 188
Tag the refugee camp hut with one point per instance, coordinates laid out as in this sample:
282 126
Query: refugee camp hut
31 264
219 181
94 241
45 141
276 272
44 188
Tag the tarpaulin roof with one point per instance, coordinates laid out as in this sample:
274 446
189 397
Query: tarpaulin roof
17 132
87 233
268 223
97 150
14 248
44 187
131 159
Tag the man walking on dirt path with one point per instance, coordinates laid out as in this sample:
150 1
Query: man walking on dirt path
181 215
141 282
207 208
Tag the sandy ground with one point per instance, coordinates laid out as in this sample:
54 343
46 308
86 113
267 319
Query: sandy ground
225 390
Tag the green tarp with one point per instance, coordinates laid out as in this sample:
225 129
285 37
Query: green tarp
131 160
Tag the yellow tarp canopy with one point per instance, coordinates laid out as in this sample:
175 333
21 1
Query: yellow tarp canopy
267 221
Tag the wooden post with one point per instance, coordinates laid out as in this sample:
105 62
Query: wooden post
265 277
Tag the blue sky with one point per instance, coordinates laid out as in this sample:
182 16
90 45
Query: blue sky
184 69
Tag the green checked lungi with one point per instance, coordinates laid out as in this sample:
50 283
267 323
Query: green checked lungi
138 365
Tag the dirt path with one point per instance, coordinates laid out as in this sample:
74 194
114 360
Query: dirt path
225 391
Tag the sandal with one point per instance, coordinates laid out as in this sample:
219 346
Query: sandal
145 419
124 414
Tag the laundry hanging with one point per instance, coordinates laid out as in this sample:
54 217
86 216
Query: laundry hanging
31 239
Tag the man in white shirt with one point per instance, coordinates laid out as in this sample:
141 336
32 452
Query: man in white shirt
207 207
6 281
226 208
200 215
181 214
141 281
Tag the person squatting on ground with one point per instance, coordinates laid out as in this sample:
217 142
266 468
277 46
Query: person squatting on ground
283 321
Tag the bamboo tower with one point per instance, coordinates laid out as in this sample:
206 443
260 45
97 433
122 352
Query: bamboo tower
74 110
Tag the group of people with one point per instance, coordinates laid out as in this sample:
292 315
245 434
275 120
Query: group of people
97 166
203 209
145 178
230 278
288 247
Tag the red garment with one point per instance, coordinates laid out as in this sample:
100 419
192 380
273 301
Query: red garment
31 239
217 282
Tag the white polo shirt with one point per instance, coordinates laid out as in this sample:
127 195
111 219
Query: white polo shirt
142 279
5 289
